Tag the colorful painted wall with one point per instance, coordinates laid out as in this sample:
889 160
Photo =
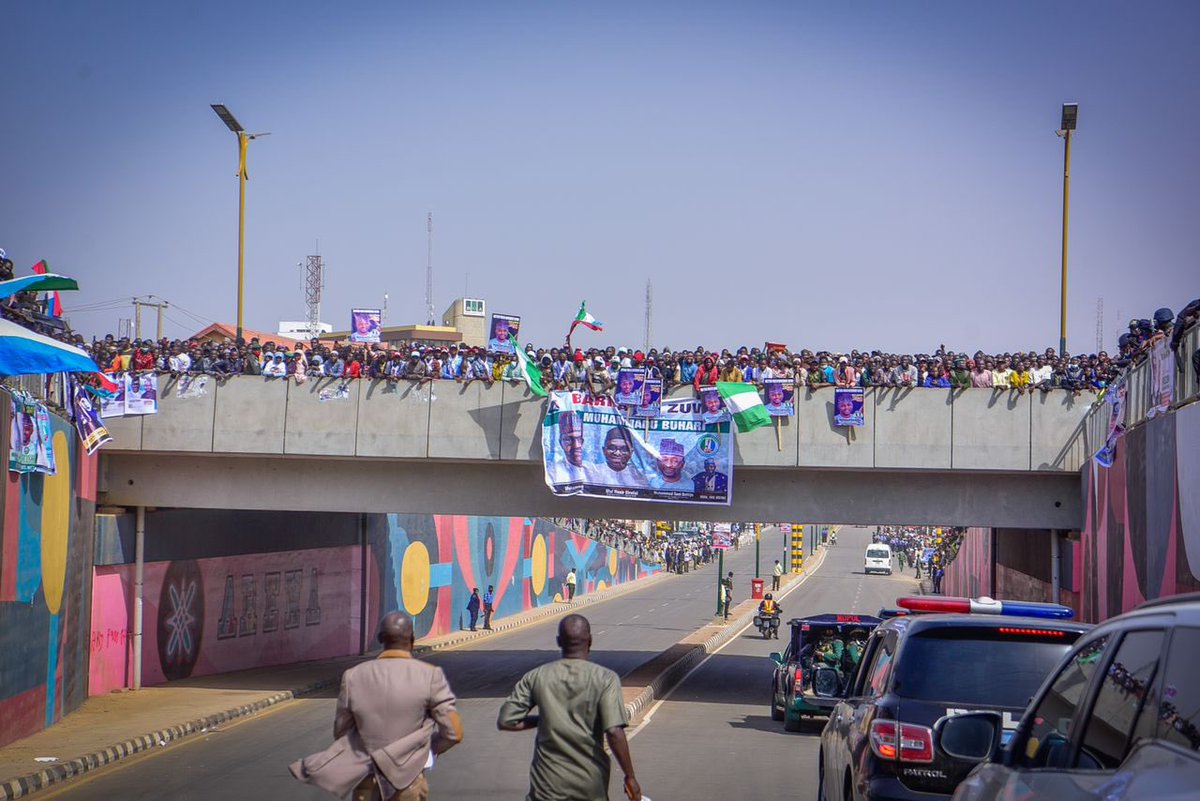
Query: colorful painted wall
1141 539
969 574
426 565
232 590
45 585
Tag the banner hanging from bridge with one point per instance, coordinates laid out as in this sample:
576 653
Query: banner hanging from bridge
591 448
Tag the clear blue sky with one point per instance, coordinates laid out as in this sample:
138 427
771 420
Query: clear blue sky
830 175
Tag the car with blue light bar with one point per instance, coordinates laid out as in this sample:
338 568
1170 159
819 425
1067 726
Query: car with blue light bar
946 657
818 662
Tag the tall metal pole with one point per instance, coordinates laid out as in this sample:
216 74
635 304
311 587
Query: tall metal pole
243 141
161 305
137 316
757 537
720 576
1062 329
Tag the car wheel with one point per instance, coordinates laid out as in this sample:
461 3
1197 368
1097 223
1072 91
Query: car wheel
776 710
822 794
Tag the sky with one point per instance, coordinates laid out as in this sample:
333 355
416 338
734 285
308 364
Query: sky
827 175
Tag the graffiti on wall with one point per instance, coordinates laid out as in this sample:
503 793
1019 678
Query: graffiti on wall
1141 538
45 587
427 565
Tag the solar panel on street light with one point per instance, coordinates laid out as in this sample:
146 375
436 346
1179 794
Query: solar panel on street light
227 118
1070 115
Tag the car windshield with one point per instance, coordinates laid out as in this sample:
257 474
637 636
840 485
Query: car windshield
976 666
877 553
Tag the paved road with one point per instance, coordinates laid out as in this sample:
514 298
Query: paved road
249 759
714 737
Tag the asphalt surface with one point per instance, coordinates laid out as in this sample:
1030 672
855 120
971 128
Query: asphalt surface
249 759
713 737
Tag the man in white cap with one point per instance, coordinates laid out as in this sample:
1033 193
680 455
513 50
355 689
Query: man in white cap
670 462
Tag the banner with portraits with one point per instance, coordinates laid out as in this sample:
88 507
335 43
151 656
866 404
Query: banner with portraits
848 406
591 447
88 424
1162 377
31 447
366 325
141 393
712 408
779 396
1114 397
651 401
505 331
630 381
113 405
722 537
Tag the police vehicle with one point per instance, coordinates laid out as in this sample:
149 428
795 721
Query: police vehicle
979 654
811 673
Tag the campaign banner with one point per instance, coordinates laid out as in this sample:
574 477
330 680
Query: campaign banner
651 401
366 325
779 396
722 537
1115 397
848 406
88 425
192 386
712 408
114 405
590 447
630 381
505 331
31 449
141 393
1162 377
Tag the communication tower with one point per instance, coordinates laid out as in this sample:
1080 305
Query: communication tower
429 269
649 315
314 280
1099 324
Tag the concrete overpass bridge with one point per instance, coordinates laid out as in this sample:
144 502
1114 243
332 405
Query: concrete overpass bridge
973 457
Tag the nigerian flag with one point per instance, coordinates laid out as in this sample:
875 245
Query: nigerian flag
744 404
529 371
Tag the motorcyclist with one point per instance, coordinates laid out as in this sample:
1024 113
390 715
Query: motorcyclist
769 607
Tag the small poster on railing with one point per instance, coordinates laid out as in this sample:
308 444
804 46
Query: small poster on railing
141 393
1162 378
31 448
88 424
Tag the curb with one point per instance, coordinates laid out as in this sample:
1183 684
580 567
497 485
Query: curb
672 675
22 786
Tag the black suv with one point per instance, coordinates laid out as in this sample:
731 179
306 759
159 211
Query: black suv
917 670
1119 719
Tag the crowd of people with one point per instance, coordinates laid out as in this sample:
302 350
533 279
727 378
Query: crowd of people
928 549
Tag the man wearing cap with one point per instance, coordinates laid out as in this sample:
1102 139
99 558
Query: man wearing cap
710 481
618 451
567 465
670 462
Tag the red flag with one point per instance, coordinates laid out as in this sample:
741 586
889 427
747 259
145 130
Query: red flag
41 268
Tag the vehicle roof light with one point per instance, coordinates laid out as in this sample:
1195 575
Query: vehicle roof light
985 606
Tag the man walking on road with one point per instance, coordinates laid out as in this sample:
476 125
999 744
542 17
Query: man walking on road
776 575
576 700
489 598
392 712
570 581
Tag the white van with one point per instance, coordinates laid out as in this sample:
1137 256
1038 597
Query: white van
878 558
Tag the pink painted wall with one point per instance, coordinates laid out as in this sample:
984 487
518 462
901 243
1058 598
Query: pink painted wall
230 613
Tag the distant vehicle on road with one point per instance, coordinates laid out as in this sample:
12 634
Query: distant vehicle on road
820 658
917 669
1119 719
878 558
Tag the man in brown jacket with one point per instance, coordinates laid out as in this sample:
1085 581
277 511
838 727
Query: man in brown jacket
391 713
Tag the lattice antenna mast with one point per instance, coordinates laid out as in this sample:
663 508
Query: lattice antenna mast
1099 324
429 268
649 315
314 281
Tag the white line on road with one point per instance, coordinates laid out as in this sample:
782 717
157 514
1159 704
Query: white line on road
635 617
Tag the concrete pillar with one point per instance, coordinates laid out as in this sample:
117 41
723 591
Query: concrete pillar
139 571
1055 566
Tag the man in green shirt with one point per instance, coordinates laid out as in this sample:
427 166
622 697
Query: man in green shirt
576 701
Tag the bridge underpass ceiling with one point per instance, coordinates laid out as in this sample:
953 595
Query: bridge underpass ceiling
914 497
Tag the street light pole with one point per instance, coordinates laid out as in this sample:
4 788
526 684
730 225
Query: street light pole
1070 116
243 146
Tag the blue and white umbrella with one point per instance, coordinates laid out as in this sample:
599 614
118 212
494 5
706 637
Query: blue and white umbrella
22 352
46 282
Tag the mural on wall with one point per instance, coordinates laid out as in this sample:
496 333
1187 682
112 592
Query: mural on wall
45 586
216 615
1141 539
427 565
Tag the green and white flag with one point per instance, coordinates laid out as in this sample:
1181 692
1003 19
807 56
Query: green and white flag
744 404
529 371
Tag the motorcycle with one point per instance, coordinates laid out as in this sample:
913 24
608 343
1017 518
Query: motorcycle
767 625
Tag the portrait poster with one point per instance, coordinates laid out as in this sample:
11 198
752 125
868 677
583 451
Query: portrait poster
31 447
630 381
591 447
1114 397
366 325
779 396
848 406
722 537
651 399
1162 377
712 408
504 332
88 424
141 393
192 386
113 405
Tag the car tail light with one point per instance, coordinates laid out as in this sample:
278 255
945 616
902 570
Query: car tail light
1048 633
904 741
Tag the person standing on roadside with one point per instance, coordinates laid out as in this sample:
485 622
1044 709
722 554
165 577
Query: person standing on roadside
393 711
576 701
776 575
489 599
728 584
570 582
473 607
